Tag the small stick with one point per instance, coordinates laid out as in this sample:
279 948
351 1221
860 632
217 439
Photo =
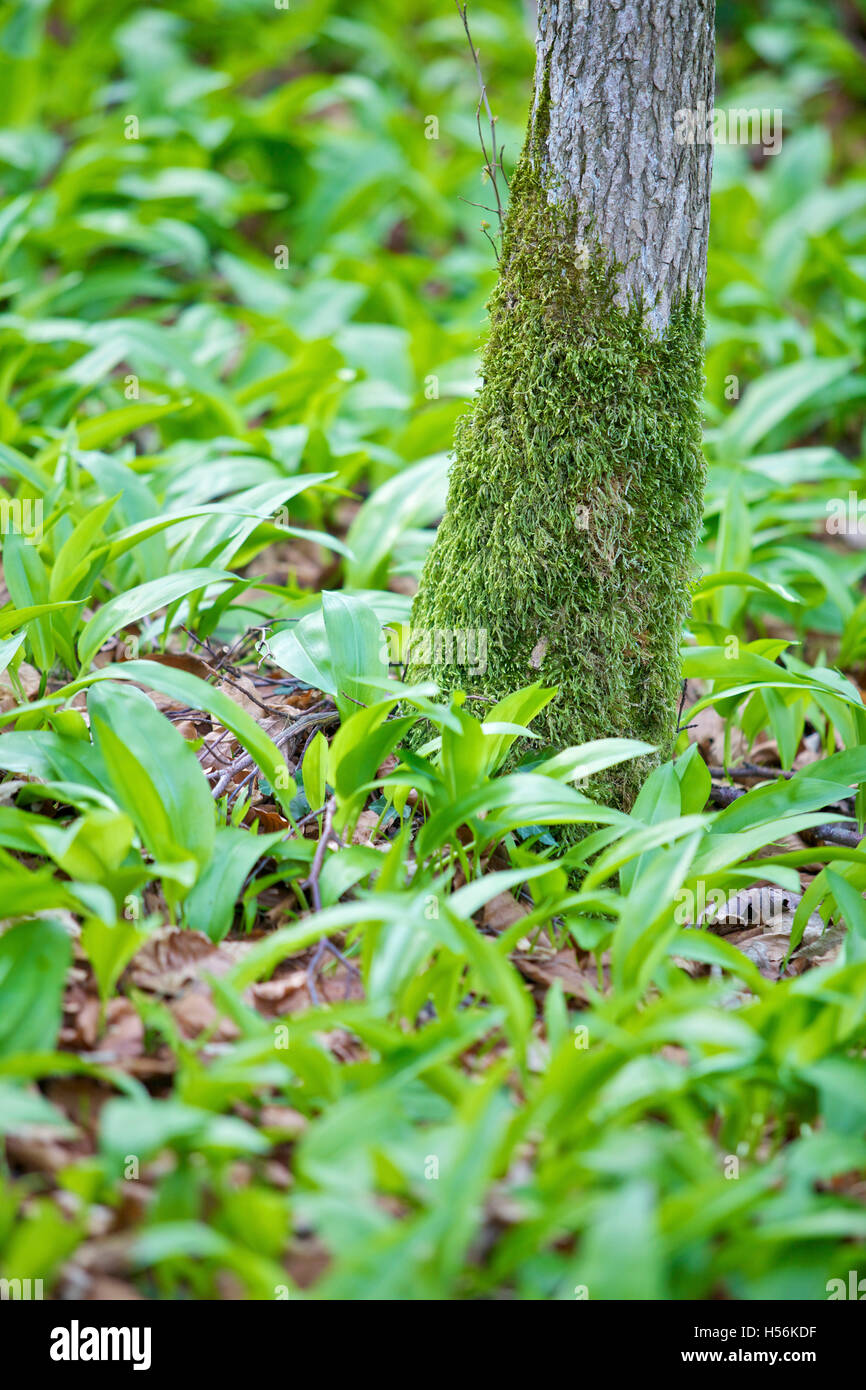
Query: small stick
831 834
751 771
247 760
492 161
325 944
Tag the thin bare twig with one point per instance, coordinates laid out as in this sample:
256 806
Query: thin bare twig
751 772
681 728
831 834
247 760
325 943
319 857
219 660
493 165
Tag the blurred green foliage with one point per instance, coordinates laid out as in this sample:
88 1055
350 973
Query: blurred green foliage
242 281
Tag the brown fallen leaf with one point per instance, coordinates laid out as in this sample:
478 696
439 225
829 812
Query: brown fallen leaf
544 969
124 1030
41 1151
363 832
823 950
502 912
104 1289
307 1260
147 1068
188 730
108 1255
767 950
403 584
180 661
29 678
122 1035
284 1121
273 998
307 561
195 1012
762 905
300 699
173 958
80 1098
288 993
268 818
278 1174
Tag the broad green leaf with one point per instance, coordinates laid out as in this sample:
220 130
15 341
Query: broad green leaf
314 770
34 958
153 774
210 906
110 949
137 603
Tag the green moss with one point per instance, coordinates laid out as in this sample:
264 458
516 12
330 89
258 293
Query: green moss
575 492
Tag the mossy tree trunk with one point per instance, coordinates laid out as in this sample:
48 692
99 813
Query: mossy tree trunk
576 487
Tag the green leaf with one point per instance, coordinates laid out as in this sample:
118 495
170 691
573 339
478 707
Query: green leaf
853 909
189 690
10 619
22 1109
314 769
113 424
696 944
585 760
34 958
154 775
210 906
145 1127
335 650
75 556
414 496
136 603
695 781
110 949
775 398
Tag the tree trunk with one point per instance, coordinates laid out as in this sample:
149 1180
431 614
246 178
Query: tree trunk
575 494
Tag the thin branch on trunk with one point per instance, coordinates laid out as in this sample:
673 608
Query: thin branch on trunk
493 165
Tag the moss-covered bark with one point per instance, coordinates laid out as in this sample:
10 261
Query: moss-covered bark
576 487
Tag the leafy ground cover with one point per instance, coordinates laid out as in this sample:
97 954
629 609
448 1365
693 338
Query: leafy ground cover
300 995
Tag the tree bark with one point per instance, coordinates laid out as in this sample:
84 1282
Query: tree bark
575 494
618 73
